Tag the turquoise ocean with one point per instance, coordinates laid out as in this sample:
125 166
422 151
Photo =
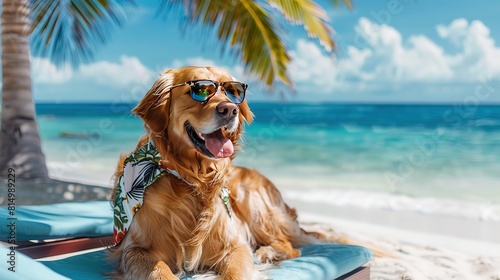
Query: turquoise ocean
433 159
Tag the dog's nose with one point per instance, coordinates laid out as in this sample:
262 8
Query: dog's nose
227 109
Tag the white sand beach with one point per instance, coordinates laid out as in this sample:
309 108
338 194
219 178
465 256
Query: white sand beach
422 250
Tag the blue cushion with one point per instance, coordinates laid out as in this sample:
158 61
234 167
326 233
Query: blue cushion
321 261
64 220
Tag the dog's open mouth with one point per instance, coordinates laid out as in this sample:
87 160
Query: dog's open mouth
213 144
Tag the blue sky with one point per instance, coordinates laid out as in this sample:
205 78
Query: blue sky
393 51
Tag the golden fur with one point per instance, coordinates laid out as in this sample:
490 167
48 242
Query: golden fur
183 227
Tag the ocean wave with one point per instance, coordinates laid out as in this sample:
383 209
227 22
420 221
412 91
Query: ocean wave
486 122
100 175
390 202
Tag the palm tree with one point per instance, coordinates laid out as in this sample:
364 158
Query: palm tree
69 31
20 147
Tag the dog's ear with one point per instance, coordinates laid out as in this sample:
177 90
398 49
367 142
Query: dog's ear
154 107
245 112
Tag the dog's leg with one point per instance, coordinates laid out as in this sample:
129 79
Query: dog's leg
239 265
137 263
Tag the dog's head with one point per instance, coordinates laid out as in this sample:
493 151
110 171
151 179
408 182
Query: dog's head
191 128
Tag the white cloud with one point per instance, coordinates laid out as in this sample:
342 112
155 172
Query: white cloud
127 72
45 72
130 71
455 31
479 56
382 57
309 63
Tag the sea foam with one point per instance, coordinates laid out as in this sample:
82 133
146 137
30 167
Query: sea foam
391 202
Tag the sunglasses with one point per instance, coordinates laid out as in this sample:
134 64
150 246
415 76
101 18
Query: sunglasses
203 90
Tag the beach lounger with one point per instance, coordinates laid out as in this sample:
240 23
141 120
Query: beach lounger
45 234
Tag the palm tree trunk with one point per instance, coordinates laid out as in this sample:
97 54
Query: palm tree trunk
20 145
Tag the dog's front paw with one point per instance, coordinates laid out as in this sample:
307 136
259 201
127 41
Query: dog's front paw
269 254
161 271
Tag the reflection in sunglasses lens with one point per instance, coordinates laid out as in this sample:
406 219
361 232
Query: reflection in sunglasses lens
235 92
203 90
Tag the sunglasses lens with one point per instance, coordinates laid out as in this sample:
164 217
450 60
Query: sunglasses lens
235 91
202 90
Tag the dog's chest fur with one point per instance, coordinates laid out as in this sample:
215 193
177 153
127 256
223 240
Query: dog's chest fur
180 221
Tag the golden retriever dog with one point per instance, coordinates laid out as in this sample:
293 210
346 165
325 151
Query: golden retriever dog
194 116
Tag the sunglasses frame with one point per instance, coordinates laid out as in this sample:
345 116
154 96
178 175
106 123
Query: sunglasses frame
217 85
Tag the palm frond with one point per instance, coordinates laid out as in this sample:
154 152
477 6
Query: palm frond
348 3
250 31
310 15
70 30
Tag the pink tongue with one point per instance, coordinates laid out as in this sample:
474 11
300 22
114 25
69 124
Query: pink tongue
218 145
